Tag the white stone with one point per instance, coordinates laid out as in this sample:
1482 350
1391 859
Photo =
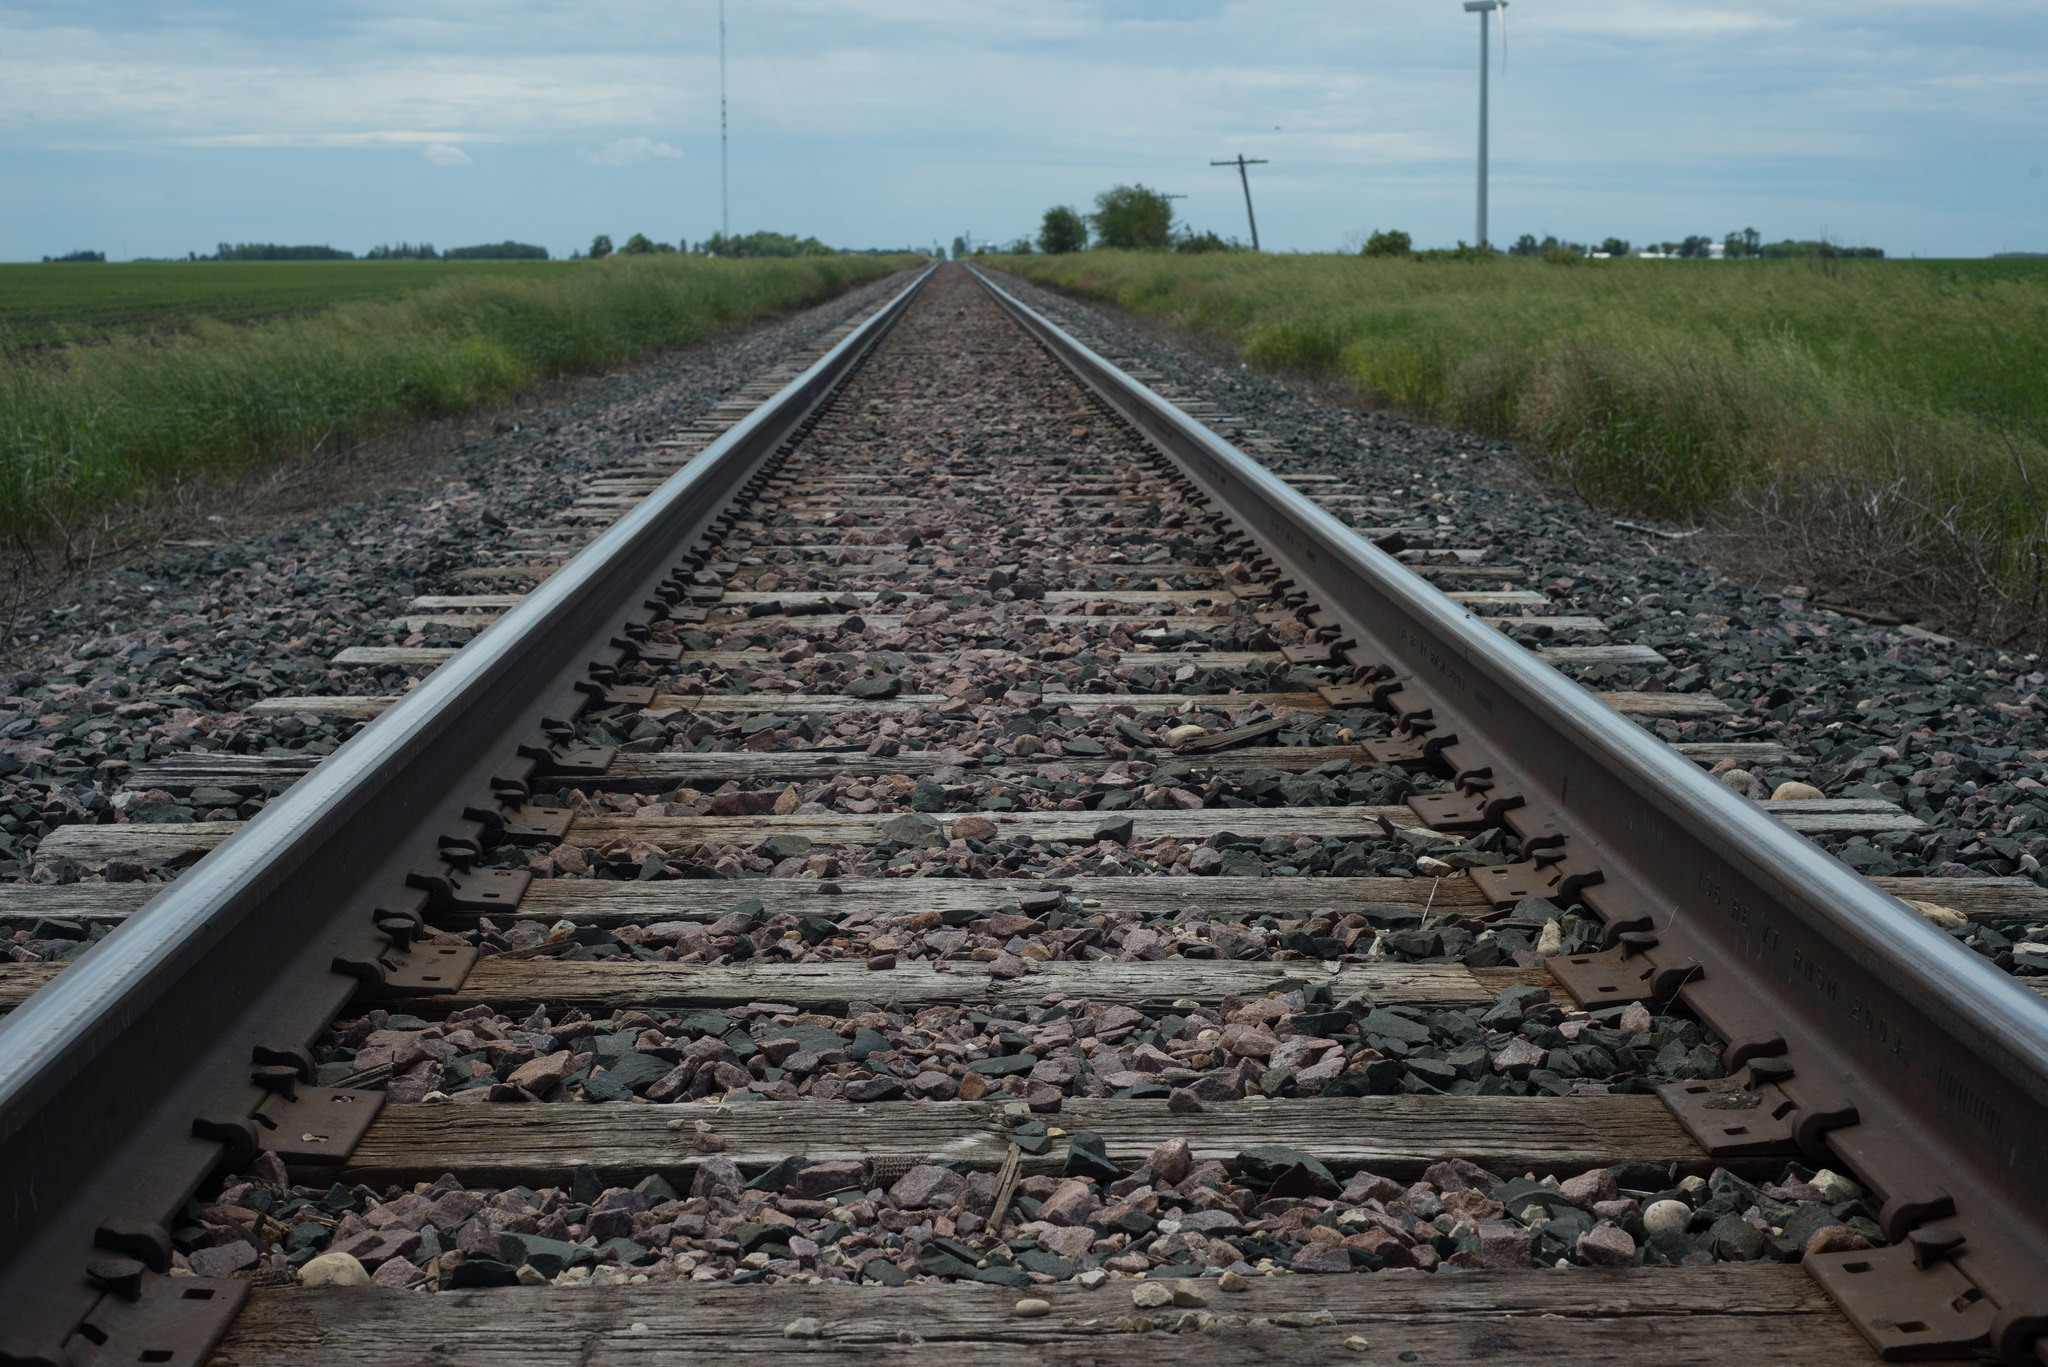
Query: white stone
1667 1215
1092 1278
1151 1295
333 1269
804 1328
1032 1308
1551 941
1835 1188
1181 735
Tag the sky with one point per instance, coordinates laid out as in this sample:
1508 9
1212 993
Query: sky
154 129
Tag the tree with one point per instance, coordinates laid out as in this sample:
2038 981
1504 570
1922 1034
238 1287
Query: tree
959 248
601 245
271 251
1695 247
1062 232
1393 242
763 243
1615 246
1525 245
498 251
1132 216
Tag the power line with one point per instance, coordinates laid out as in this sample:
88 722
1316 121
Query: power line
1240 162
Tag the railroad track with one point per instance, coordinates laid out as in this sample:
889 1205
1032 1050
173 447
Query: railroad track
973 825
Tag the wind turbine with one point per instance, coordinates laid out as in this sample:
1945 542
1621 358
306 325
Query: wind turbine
1483 8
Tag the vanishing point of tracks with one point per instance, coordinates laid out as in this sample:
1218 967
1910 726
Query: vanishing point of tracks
972 865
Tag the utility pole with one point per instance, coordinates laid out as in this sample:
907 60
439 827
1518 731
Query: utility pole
1240 162
724 174
1483 8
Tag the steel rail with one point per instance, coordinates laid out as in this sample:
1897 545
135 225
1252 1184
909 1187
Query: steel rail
1858 1031
104 1071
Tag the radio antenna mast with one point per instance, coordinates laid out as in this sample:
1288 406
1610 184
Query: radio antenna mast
724 172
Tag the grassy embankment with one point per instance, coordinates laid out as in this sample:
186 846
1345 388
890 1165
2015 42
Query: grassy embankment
51 304
87 428
1875 428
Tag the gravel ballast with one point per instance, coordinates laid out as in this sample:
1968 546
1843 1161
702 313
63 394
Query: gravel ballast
1174 1221
160 657
950 583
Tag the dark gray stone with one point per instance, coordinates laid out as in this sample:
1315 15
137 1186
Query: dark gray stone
882 686
1262 1165
1087 1158
1735 1240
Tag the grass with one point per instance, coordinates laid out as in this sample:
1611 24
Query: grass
53 304
1876 427
86 429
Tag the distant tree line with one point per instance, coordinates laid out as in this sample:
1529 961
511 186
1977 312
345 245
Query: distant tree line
402 251
718 244
1821 249
1126 217
1747 243
507 250
270 251
763 244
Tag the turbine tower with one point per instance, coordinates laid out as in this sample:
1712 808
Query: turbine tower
1483 8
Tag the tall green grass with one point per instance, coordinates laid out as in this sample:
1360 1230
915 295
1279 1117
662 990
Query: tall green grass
83 428
51 303
1876 426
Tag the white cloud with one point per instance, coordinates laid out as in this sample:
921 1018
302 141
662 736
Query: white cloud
869 123
630 152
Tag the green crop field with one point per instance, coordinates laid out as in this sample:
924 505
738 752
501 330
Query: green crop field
53 303
1881 426
86 429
